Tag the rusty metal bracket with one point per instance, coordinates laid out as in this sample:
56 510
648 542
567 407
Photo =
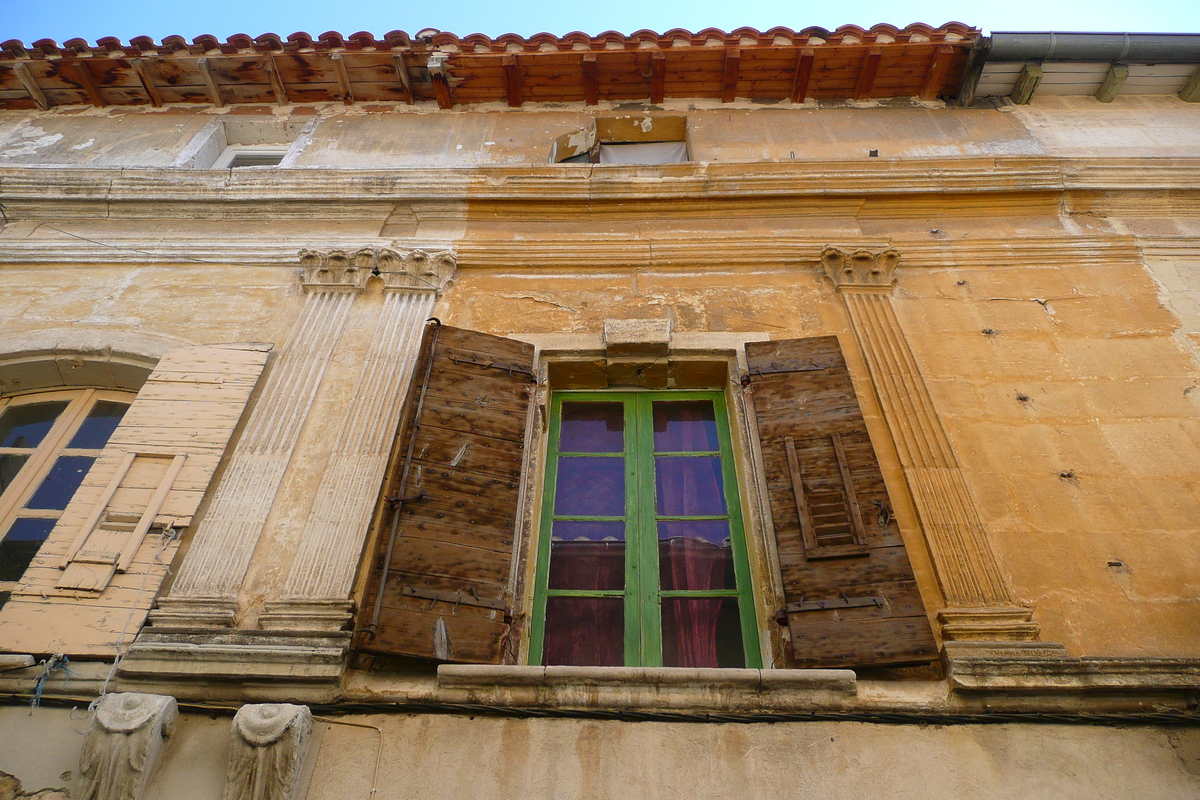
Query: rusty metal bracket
829 605
457 598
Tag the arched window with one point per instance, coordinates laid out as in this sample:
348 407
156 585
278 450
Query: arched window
48 442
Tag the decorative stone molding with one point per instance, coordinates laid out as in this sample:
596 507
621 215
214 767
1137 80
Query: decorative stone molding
1042 673
124 743
269 745
861 269
349 271
981 606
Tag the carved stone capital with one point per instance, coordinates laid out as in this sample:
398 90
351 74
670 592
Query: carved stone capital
400 270
124 744
861 269
268 749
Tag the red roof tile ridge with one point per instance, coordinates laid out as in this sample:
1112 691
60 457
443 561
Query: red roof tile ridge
207 44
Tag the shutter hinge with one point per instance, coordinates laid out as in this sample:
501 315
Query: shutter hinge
829 605
794 365
491 363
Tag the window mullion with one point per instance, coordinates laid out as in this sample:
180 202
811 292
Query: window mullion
651 616
635 640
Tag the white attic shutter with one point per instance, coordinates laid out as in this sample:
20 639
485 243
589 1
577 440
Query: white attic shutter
160 459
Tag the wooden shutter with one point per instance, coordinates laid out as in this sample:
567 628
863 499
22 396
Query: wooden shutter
439 585
159 461
850 596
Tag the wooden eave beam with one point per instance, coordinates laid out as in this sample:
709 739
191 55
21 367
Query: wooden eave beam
658 76
973 71
1117 73
512 80
733 65
803 74
402 74
591 79
31 85
84 72
1190 93
339 67
938 67
214 92
866 75
142 69
441 81
277 86
1026 85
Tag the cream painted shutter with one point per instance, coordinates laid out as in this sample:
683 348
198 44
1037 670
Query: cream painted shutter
159 461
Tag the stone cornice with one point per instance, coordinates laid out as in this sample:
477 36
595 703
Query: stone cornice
42 192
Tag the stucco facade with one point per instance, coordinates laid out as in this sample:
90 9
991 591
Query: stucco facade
1027 372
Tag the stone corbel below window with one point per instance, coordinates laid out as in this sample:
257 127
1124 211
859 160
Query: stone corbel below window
124 743
349 271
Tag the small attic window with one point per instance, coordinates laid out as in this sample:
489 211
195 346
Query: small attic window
238 156
634 139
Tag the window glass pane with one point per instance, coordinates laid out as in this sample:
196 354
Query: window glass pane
101 421
592 428
584 632
695 554
21 544
587 555
702 632
590 486
27 425
9 467
61 482
689 486
680 427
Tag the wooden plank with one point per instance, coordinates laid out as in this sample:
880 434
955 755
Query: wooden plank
31 85
1117 73
1190 93
591 86
402 73
441 82
939 65
407 625
512 81
733 58
430 558
891 641
343 78
145 74
658 76
803 74
88 81
806 522
210 85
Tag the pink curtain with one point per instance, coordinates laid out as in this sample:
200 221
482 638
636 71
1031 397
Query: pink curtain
689 625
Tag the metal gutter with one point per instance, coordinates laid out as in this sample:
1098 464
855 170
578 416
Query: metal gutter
1153 48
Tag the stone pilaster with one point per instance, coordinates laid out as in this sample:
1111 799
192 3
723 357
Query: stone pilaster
980 605
205 592
316 594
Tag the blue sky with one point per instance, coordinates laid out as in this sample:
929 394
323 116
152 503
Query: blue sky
28 20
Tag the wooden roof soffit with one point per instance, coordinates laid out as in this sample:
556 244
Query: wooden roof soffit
776 65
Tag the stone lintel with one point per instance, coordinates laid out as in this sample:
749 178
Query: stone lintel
1034 673
259 655
637 338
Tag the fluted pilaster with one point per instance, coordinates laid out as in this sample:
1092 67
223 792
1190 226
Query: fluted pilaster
981 606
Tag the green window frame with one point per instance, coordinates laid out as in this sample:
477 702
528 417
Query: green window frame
643 596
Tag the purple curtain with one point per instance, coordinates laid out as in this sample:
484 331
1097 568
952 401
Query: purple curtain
689 624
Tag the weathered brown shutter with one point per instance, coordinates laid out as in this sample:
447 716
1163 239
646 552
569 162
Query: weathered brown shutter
439 585
850 596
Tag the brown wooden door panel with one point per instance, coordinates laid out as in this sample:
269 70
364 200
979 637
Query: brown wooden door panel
838 543
456 475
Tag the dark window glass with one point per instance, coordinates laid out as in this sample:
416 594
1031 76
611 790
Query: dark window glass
21 544
61 482
27 425
590 486
256 160
585 632
10 465
681 427
592 428
701 632
695 554
101 421
689 486
587 555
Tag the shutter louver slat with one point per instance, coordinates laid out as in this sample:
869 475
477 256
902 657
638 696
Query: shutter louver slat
439 589
849 592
